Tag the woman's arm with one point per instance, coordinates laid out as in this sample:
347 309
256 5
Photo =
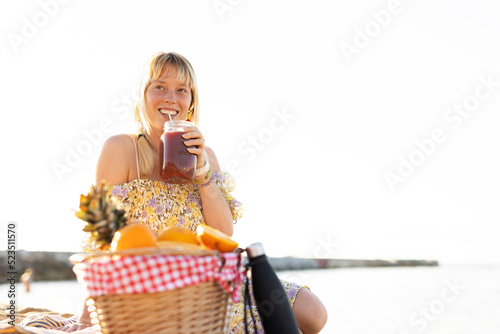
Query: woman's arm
215 208
113 165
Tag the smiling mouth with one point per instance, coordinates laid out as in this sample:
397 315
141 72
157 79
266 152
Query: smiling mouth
168 112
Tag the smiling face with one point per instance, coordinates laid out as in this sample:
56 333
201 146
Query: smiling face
168 86
168 97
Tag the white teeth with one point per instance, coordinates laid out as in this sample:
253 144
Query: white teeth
168 112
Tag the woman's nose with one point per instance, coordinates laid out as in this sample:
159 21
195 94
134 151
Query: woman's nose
169 97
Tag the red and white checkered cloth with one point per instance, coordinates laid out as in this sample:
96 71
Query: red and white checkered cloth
155 273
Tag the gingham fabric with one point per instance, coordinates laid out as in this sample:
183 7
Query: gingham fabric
155 273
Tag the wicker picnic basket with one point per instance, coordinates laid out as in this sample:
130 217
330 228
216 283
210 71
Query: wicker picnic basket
202 306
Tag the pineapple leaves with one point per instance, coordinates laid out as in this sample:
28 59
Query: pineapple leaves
102 214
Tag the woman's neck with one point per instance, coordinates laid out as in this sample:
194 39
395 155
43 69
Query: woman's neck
154 140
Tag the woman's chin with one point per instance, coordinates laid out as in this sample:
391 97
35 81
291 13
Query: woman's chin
177 117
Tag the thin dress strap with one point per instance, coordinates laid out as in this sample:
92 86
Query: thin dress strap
136 157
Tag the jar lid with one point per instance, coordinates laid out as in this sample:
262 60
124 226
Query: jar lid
175 126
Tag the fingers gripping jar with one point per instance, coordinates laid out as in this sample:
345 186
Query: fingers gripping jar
177 165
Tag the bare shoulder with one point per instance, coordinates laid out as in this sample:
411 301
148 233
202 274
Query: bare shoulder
212 159
115 161
119 146
122 140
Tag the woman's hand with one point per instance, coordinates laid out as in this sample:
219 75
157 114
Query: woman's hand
195 138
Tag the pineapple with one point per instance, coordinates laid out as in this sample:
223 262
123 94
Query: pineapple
102 214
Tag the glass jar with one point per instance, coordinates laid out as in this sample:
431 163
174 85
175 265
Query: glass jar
177 165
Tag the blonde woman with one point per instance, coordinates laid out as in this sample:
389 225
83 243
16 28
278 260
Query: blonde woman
130 165
169 91
130 162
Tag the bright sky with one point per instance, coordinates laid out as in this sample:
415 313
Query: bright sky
353 129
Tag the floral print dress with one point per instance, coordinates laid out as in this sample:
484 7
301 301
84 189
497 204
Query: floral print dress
159 204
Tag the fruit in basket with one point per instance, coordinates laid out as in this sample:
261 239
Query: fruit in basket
178 233
103 216
134 235
212 238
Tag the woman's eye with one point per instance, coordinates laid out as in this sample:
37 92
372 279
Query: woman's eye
182 90
158 87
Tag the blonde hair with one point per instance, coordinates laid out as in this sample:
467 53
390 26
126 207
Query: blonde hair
155 68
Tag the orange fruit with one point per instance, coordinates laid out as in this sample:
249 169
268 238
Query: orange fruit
178 233
133 235
214 239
